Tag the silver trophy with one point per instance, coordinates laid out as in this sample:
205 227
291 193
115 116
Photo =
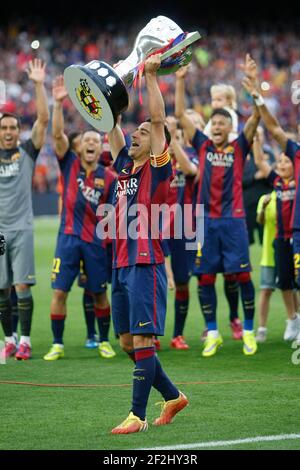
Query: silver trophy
100 92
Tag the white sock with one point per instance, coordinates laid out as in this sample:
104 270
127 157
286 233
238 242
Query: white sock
262 328
9 339
213 333
25 339
247 331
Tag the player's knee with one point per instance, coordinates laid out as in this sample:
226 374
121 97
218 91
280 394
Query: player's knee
60 296
142 341
182 292
22 293
101 300
207 279
230 277
126 343
4 295
243 277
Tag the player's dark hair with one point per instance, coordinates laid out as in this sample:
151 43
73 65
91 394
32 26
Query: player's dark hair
167 132
11 115
71 137
221 112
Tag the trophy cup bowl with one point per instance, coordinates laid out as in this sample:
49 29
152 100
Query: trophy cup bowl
100 92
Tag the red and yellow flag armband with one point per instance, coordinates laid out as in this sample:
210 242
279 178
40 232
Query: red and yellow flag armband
160 160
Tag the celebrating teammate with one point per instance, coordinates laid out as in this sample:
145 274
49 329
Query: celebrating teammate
86 184
225 247
17 162
139 283
288 222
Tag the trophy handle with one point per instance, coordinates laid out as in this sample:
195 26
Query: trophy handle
190 38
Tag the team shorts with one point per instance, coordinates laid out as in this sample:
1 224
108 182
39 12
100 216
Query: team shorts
73 254
139 299
296 252
284 261
17 263
225 247
182 260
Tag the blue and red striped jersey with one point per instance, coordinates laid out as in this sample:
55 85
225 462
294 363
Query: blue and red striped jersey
221 172
285 195
82 194
147 186
293 152
181 191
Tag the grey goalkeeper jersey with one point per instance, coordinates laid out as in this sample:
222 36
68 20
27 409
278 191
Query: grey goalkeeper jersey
16 169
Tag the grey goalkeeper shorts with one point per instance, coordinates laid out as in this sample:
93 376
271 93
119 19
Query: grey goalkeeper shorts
17 264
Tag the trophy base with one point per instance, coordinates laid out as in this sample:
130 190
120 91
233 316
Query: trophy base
97 92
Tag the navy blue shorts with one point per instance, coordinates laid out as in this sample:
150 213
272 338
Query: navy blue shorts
296 251
182 260
73 254
83 279
283 250
225 247
139 299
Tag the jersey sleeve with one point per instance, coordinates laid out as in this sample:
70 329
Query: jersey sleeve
161 176
292 149
198 140
30 149
273 176
122 160
243 145
66 161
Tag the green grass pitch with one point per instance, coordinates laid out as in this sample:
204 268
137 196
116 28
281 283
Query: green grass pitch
231 396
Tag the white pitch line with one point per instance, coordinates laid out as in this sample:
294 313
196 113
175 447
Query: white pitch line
249 440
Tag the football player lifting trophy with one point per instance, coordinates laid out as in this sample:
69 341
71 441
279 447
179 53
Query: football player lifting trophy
100 92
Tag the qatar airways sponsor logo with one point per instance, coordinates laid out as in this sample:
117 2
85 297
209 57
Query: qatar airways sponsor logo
126 187
159 221
220 159
90 194
287 195
7 171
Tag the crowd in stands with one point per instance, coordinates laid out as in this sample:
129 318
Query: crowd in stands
216 58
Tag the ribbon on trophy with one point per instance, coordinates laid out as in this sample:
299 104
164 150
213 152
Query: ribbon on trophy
168 65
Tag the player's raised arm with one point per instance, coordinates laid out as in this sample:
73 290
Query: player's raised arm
156 106
259 158
251 125
60 140
250 83
116 139
180 110
37 73
187 167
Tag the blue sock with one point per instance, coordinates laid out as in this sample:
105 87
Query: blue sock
143 377
181 310
248 296
208 301
163 384
58 325
89 314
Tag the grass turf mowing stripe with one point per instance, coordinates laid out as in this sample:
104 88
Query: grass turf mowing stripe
248 440
220 382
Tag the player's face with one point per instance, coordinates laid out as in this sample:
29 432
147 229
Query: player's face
221 127
90 147
218 100
285 167
9 133
140 142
